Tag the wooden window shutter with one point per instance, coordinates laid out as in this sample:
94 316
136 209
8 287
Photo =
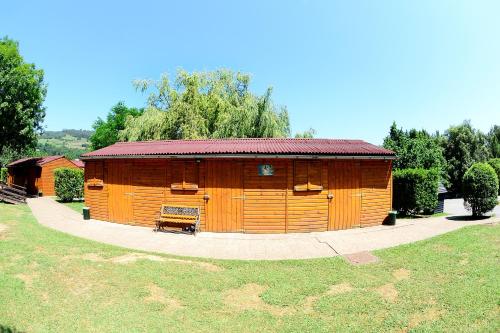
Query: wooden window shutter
314 176
177 172
190 176
300 176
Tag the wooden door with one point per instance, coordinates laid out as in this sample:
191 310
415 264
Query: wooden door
224 187
344 183
120 191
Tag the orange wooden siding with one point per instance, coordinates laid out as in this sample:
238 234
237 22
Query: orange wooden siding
308 210
225 192
345 187
376 187
265 197
96 196
242 201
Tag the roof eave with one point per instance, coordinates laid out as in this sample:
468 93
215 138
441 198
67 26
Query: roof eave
250 155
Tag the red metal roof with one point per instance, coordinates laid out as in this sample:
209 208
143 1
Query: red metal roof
35 160
325 147
78 163
48 159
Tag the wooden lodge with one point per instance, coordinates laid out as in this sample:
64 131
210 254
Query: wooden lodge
243 185
36 174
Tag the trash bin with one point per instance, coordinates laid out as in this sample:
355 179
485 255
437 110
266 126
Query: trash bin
86 213
391 219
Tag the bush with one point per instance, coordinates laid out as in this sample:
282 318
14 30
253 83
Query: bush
495 164
480 188
3 174
415 190
68 183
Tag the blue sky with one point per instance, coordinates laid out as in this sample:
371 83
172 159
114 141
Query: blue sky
345 68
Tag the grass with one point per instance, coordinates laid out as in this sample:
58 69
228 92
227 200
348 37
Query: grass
75 205
402 216
50 281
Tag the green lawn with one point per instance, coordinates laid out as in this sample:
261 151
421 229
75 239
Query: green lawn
75 205
50 281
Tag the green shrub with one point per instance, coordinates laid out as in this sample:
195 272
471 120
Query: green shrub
480 188
415 190
3 174
68 183
495 164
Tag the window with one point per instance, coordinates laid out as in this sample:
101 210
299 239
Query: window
307 176
184 175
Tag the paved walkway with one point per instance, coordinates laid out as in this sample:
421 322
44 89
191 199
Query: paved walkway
244 246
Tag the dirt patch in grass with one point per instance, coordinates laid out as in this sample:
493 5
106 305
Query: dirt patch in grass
248 298
133 257
3 231
339 289
401 274
158 294
27 279
464 262
430 314
361 258
443 248
205 265
388 292
333 290
78 286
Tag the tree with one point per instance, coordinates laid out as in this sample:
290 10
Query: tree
68 183
480 188
22 92
495 164
494 141
463 146
415 190
414 149
214 104
106 132
309 134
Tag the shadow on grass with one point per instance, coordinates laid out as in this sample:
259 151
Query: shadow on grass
467 218
6 329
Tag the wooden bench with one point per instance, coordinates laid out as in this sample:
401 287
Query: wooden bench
178 215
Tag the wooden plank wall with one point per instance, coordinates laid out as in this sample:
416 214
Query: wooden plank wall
96 197
265 197
345 186
149 179
376 187
187 198
268 199
308 210
46 181
224 186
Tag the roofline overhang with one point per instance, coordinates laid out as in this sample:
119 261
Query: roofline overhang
242 156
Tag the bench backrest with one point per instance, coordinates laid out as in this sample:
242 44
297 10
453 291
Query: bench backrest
181 211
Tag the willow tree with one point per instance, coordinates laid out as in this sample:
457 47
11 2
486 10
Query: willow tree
201 105
22 93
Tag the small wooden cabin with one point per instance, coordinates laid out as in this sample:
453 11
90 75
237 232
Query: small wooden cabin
243 185
36 174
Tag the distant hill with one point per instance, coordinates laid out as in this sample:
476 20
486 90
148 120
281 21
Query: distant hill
69 142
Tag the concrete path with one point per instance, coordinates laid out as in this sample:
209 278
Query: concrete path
244 246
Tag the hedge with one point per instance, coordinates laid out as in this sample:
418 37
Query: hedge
3 174
68 183
415 190
480 188
495 164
